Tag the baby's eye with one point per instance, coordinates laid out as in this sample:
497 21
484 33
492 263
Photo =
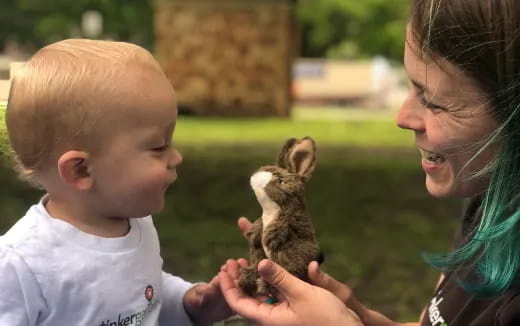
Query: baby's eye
161 148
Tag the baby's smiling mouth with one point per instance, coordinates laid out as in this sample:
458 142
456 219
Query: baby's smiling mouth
431 157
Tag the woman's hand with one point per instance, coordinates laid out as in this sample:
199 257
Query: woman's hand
342 291
318 278
300 303
244 225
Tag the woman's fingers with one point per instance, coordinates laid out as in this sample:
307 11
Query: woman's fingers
242 262
244 224
324 280
233 268
288 285
340 290
246 306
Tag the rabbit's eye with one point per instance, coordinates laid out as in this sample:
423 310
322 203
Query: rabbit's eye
281 182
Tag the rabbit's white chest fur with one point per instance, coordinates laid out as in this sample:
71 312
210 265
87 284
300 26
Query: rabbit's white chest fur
270 209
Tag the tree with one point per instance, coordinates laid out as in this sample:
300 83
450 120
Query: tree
353 28
333 28
39 22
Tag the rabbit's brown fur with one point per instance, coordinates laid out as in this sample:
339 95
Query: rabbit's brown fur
284 233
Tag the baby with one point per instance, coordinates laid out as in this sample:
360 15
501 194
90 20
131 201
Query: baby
91 122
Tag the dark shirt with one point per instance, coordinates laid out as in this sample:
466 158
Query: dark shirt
451 305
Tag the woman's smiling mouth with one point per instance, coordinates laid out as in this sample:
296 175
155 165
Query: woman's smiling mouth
431 158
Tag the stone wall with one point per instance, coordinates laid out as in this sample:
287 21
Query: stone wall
228 57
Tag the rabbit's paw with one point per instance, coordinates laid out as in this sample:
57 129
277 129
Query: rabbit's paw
247 280
266 288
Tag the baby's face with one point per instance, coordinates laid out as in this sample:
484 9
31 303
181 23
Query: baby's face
137 161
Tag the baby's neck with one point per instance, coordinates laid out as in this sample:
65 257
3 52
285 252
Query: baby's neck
86 222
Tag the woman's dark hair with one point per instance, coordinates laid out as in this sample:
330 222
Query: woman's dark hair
482 39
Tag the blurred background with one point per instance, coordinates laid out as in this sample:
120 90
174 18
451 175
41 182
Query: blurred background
248 75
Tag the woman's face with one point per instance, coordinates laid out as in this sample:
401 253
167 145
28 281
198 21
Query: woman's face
446 110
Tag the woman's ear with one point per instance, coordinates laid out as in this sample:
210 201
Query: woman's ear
74 170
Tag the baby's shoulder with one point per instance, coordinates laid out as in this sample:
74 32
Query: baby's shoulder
23 231
29 239
9 258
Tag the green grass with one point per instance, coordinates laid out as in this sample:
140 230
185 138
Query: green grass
331 127
372 214
329 131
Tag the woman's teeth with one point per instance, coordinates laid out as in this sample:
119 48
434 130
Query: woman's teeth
431 157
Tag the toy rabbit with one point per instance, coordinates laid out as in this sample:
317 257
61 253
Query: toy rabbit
284 233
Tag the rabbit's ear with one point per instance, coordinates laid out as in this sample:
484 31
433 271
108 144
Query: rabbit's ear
285 153
299 156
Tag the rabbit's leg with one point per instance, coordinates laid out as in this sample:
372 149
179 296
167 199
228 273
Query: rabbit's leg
249 275
276 235
274 238
295 259
266 288
248 280
254 234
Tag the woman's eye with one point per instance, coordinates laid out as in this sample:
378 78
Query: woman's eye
427 104
430 105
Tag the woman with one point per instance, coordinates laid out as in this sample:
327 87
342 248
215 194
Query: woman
463 60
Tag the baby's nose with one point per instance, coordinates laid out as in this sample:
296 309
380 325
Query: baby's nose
174 159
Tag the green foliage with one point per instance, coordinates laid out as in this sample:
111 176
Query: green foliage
38 22
334 28
346 29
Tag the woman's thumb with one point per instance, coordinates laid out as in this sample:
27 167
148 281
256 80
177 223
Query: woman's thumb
287 284
324 280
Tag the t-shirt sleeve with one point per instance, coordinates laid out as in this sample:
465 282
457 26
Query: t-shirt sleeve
172 311
21 301
510 314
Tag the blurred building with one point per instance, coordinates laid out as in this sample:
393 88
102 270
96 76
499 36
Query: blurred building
228 57
5 83
8 68
363 83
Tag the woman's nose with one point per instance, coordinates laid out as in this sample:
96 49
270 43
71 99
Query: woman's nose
410 115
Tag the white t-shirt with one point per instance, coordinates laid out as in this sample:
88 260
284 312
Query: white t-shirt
52 274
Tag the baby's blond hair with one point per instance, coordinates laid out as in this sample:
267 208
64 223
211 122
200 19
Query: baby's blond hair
52 107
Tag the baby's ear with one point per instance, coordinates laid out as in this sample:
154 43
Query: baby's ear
299 156
74 170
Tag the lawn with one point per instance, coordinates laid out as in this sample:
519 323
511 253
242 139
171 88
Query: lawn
372 215
195 131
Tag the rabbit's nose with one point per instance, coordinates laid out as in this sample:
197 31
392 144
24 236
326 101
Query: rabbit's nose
260 179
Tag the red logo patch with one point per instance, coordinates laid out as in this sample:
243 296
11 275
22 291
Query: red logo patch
148 293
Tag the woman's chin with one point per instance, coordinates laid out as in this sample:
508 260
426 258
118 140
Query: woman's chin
439 189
